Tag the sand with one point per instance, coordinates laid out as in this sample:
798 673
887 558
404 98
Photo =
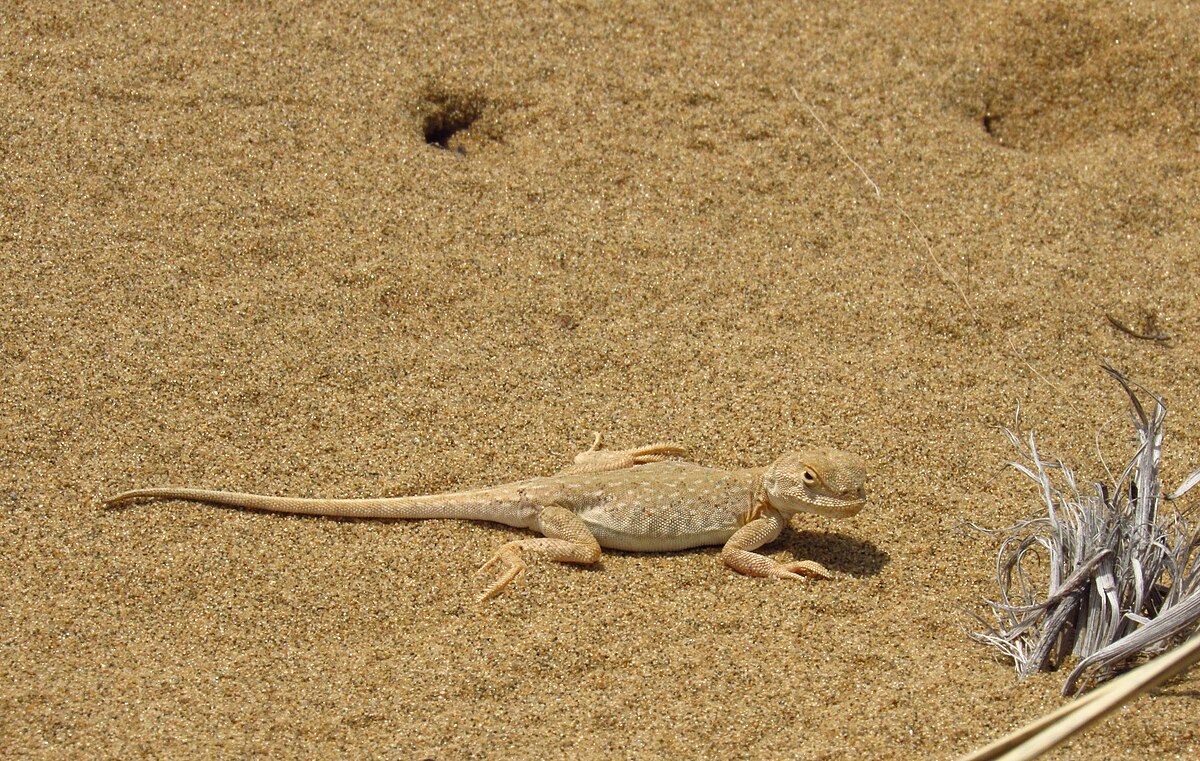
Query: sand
404 248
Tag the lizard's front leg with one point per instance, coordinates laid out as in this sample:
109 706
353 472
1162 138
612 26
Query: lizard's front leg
738 551
598 460
567 540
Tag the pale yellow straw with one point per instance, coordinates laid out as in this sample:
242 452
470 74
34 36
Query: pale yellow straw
1036 738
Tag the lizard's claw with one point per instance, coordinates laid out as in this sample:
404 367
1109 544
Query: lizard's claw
509 557
800 569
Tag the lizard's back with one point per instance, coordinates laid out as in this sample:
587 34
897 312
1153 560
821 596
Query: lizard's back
660 506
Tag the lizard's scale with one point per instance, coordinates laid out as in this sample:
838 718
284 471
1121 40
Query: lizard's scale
663 506
634 499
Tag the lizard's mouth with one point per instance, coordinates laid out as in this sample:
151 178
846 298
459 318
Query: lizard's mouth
838 509
825 505
842 505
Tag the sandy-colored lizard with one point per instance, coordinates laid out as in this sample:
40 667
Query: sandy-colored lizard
635 499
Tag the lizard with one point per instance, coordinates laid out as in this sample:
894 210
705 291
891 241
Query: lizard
644 499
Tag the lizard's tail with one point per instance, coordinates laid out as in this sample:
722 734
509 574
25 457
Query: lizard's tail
484 504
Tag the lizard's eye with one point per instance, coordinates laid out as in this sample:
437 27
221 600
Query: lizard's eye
809 477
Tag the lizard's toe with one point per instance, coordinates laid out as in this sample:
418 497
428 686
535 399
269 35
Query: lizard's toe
508 557
801 569
655 453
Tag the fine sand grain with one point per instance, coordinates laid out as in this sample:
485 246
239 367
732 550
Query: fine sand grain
351 250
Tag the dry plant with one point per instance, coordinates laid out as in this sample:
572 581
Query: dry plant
1123 579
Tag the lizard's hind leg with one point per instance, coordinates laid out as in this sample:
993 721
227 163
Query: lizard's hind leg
567 540
598 460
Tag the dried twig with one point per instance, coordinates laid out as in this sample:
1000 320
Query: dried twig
1153 336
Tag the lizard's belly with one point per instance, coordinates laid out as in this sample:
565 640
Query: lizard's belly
636 542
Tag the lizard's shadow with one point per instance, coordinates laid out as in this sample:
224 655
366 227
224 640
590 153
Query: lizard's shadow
835 551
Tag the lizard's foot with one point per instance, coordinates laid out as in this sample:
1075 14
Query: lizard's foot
581 551
508 556
567 540
596 460
800 569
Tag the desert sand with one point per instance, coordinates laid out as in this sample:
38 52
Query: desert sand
397 248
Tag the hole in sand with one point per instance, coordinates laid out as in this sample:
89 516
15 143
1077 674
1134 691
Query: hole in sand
989 120
447 117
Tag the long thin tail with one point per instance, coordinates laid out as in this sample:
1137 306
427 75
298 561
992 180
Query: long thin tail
483 504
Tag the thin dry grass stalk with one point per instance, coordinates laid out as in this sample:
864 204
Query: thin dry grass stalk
1123 580
1039 736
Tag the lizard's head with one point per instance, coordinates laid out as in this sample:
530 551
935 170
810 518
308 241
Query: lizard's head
827 482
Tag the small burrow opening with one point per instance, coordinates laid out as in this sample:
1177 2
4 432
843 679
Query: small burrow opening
448 116
989 121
